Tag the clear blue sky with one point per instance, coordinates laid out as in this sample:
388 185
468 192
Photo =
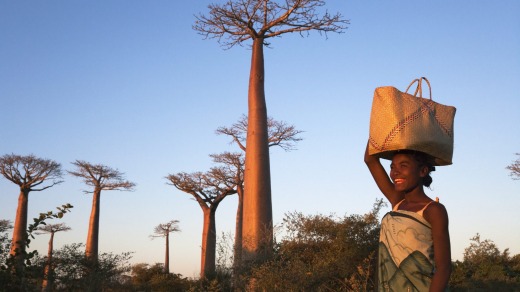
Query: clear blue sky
130 85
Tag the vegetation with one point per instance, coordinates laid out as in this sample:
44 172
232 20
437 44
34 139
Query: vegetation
18 271
485 268
314 253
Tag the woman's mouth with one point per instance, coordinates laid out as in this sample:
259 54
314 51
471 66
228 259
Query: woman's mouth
398 181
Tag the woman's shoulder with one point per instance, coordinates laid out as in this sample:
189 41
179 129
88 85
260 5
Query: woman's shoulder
436 212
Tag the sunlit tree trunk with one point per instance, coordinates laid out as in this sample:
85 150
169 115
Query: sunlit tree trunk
91 250
257 224
48 280
18 244
237 256
19 230
209 242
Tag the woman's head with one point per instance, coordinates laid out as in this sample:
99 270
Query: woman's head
419 164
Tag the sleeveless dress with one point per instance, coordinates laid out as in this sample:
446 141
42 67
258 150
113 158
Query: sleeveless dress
405 261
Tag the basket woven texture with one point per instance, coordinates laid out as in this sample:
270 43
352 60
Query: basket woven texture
399 121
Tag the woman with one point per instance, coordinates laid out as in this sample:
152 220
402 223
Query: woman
414 247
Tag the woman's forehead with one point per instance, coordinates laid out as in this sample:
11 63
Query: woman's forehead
402 157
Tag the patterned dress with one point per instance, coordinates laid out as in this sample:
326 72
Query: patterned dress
405 251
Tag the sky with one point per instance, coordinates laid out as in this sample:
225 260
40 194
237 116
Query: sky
130 85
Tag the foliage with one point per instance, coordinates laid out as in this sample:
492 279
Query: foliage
71 269
152 278
24 277
323 253
485 268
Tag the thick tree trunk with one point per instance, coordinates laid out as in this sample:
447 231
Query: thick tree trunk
20 229
91 250
20 238
209 244
47 273
167 255
257 223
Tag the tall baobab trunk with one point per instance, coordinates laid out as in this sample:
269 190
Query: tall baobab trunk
19 230
48 277
209 241
91 250
237 256
167 255
258 222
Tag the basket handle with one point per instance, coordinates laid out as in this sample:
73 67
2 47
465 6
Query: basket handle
418 89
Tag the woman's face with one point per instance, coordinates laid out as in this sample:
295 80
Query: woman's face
406 173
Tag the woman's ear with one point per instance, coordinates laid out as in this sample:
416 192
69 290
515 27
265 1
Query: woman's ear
424 170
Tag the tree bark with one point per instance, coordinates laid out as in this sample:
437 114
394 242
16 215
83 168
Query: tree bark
209 241
91 250
237 256
257 223
20 229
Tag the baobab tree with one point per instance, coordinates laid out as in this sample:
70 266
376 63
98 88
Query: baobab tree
48 273
164 230
208 189
514 167
234 164
31 174
100 178
5 225
280 134
234 23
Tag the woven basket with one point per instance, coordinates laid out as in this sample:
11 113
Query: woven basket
399 121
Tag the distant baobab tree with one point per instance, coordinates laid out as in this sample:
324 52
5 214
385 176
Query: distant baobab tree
164 230
48 273
280 134
5 225
514 167
233 23
208 189
31 174
100 178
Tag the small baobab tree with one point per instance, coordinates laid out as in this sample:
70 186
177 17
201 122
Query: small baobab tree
514 167
164 230
31 174
208 189
234 23
5 225
280 134
48 273
100 178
